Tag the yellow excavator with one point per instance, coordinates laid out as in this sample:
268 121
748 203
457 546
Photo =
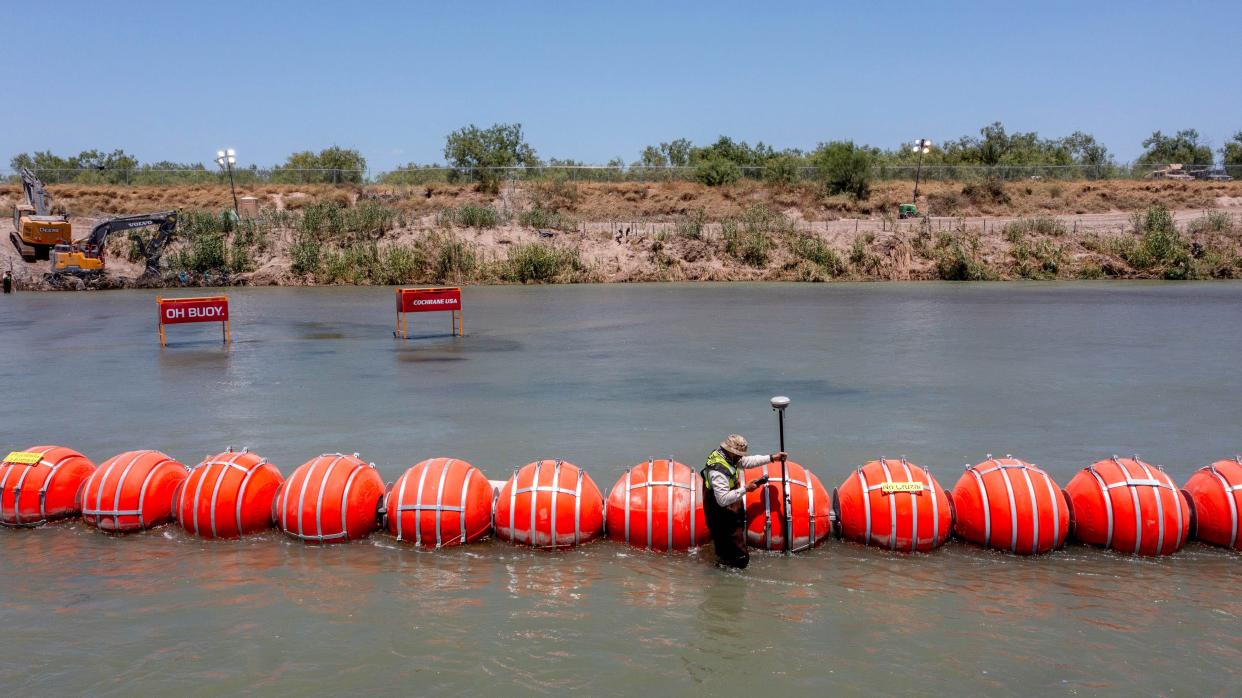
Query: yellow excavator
35 230
86 258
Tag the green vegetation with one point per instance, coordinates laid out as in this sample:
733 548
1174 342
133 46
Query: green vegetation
213 244
536 262
845 168
540 217
813 249
469 216
1039 225
717 171
335 165
1160 249
1184 147
751 236
476 153
958 258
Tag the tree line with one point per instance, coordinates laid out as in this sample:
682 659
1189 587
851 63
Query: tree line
488 156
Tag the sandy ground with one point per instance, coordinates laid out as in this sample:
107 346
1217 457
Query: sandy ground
642 245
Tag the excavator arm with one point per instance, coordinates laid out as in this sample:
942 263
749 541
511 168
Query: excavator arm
164 219
87 256
36 195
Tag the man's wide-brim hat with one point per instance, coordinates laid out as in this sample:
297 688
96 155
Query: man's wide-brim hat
734 444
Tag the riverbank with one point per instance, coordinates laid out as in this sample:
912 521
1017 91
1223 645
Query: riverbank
563 232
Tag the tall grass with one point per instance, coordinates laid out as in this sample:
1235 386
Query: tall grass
536 262
469 216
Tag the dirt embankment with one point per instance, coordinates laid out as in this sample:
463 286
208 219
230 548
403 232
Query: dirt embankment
685 231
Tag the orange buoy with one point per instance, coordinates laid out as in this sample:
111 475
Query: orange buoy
1129 506
132 491
440 502
33 493
549 504
1216 491
893 504
658 505
228 495
810 509
1009 504
332 498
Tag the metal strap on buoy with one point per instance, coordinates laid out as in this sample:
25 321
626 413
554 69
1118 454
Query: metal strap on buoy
116 512
17 491
438 507
555 489
1026 469
670 484
867 489
215 490
1132 484
319 535
767 494
1231 495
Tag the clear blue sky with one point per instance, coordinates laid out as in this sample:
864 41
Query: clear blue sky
177 80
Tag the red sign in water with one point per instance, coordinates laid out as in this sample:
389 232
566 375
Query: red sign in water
175 311
423 300
426 300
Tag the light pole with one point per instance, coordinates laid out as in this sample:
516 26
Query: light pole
922 146
226 159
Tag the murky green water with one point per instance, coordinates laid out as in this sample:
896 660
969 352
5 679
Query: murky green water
605 376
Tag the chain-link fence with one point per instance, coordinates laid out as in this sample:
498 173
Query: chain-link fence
146 176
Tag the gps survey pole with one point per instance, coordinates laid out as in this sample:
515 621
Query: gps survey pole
779 403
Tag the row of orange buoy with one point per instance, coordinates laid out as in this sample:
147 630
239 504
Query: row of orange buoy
1003 503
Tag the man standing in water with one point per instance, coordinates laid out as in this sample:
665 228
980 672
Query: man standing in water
724 498
8 281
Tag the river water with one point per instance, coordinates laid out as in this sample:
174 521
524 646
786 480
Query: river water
605 376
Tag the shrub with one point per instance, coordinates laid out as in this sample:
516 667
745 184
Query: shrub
537 262
479 153
1040 225
305 256
813 249
717 171
991 191
469 216
1213 222
845 168
455 260
749 237
861 257
399 264
1039 260
781 171
957 259
1160 248
692 225
539 217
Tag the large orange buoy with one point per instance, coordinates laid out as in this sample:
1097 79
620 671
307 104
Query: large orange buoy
1216 491
440 502
1009 504
132 491
549 504
1129 506
893 504
33 493
658 505
228 495
333 498
810 509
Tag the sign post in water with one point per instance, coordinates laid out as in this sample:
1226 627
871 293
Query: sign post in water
176 311
427 300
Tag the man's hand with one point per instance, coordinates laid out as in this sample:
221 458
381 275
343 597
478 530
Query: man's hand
779 455
756 484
